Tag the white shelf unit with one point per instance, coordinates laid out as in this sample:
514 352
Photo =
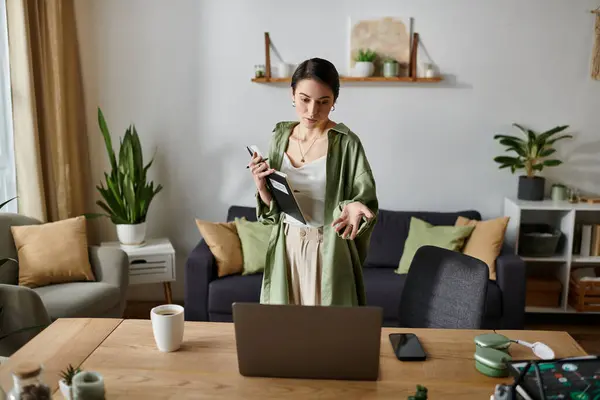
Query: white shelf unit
561 215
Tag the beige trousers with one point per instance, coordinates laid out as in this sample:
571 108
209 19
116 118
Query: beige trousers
303 247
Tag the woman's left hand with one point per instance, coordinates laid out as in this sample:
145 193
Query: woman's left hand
350 218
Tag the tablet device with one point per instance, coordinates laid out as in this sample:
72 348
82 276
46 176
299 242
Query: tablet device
567 378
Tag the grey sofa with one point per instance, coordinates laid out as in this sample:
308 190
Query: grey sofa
209 298
23 307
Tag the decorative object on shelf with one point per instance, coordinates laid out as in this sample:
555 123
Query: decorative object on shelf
531 155
411 66
429 70
595 73
365 63
559 192
573 195
88 385
538 240
259 71
390 68
128 194
28 383
388 37
66 381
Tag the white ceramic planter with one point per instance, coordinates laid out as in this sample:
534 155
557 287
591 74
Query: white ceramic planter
363 69
65 389
131 234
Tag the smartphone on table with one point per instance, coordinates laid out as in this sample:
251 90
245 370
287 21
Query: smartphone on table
407 347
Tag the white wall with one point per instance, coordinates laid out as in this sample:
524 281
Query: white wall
180 70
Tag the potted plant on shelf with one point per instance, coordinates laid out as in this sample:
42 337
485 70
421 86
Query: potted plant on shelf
127 195
66 381
390 67
532 154
364 65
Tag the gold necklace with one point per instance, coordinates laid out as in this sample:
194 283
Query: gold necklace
300 148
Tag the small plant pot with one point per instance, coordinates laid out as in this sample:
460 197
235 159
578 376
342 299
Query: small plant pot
363 69
390 69
132 234
531 189
65 389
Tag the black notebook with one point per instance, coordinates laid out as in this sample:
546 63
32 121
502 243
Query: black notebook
282 192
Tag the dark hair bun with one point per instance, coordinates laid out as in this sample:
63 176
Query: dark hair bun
318 69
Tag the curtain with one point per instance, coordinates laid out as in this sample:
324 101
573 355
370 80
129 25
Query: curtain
51 150
596 51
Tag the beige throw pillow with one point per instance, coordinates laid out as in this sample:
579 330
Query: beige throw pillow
485 242
223 241
51 253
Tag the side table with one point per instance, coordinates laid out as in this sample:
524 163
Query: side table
152 263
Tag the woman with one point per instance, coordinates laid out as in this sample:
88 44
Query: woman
320 262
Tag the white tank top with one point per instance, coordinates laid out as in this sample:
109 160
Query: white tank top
308 182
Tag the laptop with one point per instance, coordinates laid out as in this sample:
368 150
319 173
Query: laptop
308 342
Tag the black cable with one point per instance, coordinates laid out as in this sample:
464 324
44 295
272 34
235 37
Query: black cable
538 375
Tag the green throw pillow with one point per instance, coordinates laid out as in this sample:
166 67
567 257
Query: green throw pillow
423 233
254 238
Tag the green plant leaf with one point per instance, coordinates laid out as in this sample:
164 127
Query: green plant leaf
6 202
546 152
522 129
552 163
107 139
506 160
556 139
516 139
545 135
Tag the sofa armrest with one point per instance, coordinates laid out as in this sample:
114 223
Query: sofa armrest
23 316
200 270
511 278
111 266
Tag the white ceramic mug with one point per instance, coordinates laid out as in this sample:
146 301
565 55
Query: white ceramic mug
167 325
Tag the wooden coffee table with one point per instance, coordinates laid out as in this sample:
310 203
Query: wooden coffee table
124 352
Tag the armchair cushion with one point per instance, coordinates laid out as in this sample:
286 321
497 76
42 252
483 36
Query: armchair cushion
51 253
79 299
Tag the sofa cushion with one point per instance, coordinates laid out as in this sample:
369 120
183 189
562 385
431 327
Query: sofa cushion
391 230
79 299
223 292
424 234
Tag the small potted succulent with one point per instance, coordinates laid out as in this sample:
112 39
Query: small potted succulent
365 63
531 154
66 382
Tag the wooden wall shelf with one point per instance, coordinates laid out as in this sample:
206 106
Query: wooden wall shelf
412 70
355 79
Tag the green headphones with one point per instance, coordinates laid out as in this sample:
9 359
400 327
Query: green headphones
491 354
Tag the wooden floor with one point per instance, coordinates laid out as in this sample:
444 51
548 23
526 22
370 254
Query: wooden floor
585 329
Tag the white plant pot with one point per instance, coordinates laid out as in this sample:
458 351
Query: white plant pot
131 234
65 389
363 69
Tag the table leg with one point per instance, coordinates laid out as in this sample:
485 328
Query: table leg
168 295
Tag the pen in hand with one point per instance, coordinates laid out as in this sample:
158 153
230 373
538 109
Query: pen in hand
265 159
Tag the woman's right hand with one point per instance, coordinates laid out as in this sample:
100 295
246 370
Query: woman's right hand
260 169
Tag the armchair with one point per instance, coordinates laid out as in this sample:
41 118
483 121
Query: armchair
105 297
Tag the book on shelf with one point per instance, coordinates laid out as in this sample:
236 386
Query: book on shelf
586 242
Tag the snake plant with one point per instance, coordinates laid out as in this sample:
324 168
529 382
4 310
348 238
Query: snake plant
126 192
532 151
